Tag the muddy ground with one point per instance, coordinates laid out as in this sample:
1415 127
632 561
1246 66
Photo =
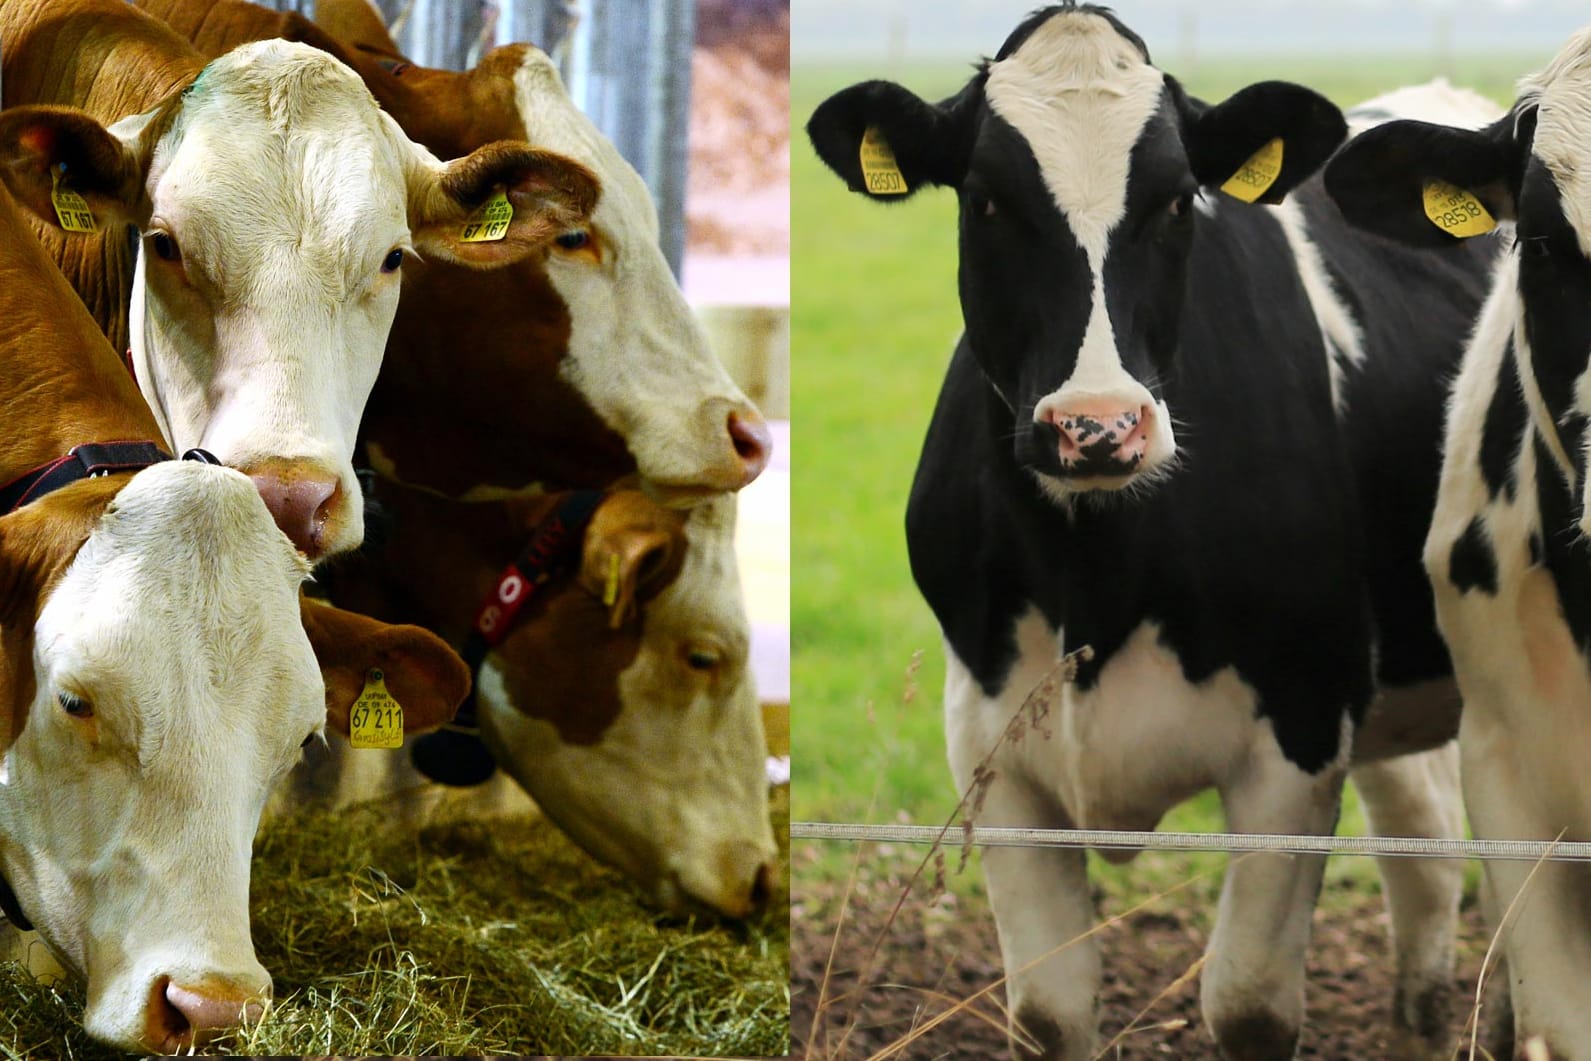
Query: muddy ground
942 950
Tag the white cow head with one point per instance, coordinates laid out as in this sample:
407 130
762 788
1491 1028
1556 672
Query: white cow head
278 205
156 682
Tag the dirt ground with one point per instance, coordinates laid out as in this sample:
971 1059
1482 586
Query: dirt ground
942 951
738 187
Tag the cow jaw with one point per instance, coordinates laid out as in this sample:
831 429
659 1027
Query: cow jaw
126 831
636 353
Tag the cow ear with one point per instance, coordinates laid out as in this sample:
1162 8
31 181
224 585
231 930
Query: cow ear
633 548
47 150
1263 141
425 677
452 206
909 142
1380 180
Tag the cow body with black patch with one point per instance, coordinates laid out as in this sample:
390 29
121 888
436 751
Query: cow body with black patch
1200 438
1507 552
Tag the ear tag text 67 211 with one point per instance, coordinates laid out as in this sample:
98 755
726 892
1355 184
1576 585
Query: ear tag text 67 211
490 222
71 209
376 720
1456 211
1255 177
880 172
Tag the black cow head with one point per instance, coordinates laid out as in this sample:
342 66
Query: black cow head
1077 164
1418 183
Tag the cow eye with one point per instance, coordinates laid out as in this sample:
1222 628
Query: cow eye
573 241
166 248
307 739
1180 205
700 659
393 261
74 706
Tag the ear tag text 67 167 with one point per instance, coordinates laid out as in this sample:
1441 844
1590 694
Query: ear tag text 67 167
1456 211
71 209
490 222
880 172
1255 177
376 720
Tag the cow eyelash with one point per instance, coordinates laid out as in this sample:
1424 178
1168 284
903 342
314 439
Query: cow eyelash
165 247
74 705
701 660
393 261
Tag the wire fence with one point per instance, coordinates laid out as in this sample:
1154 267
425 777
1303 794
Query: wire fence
1131 840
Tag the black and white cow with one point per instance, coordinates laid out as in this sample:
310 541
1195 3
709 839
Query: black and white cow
1507 551
1200 436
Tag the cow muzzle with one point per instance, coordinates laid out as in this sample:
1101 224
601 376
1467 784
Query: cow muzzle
184 1015
307 502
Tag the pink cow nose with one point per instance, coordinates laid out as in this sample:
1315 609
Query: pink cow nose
753 442
1097 435
192 1015
301 504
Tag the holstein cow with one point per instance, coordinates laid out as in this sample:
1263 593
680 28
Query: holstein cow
158 677
618 694
598 366
277 205
1507 550
1197 436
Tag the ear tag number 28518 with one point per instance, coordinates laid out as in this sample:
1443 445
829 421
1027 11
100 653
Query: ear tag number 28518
1456 211
376 720
880 172
1255 177
71 209
490 223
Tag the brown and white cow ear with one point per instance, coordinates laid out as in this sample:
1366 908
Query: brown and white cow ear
59 161
498 204
633 548
420 671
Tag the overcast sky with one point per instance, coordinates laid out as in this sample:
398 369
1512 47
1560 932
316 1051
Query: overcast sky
967 28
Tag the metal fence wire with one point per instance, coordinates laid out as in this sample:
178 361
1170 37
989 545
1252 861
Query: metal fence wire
1130 840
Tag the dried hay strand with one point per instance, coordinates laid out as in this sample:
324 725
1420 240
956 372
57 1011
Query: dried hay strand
468 938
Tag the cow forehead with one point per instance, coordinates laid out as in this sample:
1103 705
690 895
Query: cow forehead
1080 94
1562 93
186 594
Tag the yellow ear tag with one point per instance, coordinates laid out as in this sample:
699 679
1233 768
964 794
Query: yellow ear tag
610 589
1255 176
376 720
490 222
879 170
1456 211
71 208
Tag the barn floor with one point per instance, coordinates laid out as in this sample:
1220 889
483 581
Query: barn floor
470 938
941 951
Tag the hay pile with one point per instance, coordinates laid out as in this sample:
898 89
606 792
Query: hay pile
468 938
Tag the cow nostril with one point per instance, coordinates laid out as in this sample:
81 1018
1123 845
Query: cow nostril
762 887
753 442
167 1028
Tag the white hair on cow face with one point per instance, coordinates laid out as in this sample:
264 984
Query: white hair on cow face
1562 94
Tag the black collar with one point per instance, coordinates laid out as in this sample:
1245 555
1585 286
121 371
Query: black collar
88 461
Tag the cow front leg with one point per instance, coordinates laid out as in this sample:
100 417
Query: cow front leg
1419 795
1252 990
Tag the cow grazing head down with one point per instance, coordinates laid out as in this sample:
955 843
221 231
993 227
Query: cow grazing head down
278 206
1532 167
156 683
1077 165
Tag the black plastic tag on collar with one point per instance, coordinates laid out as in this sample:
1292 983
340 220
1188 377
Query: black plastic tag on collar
203 456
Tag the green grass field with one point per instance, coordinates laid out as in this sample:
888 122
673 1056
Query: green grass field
875 315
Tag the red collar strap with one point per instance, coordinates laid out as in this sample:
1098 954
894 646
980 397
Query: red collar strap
88 461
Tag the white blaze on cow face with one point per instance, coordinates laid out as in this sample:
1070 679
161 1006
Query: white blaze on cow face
1081 95
127 822
636 352
675 791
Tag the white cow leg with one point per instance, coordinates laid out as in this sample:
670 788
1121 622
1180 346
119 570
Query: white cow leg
1497 1006
1253 985
1419 795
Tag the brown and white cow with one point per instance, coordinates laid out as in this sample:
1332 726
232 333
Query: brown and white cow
278 207
158 676
598 366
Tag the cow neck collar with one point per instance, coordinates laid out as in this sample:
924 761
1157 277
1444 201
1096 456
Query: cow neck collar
455 755
87 461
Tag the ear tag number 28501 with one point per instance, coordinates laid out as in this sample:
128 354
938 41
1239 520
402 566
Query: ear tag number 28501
376 720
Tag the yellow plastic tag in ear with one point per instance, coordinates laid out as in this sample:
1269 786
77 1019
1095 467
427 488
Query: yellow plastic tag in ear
1456 211
376 720
490 222
880 172
1254 178
610 589
70 208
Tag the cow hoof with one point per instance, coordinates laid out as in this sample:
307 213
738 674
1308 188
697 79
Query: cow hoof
1054 1042
1256 1037
1420 1021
